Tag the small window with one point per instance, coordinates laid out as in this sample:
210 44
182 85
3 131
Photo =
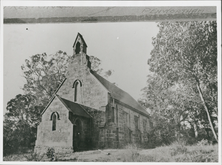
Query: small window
77 91
54 121
77 48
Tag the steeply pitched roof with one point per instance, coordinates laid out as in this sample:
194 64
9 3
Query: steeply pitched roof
53 96
81 39
119 94
75 108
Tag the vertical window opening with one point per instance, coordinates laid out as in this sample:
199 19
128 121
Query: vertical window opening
54 122
77 48
76 91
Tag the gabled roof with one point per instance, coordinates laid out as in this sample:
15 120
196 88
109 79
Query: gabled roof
75 108
81 39
53 96
119 94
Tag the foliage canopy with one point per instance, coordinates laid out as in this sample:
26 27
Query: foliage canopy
43 74
182 86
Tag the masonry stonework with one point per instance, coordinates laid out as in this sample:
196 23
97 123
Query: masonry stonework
88 112
60 139
93 93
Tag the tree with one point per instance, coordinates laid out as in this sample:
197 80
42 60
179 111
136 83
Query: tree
186 53
169 108
43 75
20 123
24 108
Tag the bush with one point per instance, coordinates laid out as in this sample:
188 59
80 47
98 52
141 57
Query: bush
34 157
178 149
132 154
19 138
51 154
203 142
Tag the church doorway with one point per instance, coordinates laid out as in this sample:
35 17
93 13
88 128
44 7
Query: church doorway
77 135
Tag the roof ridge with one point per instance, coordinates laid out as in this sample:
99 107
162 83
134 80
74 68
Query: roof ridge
113 84
108 85
61 99
53 95
78 34
74 103
94 72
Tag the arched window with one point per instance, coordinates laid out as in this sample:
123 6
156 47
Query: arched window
77 48
54 121
54 117
77 91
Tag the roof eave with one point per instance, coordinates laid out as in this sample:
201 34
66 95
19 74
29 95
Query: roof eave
132 108
53 96
71 110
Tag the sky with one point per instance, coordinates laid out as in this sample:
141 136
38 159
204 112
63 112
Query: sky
122 47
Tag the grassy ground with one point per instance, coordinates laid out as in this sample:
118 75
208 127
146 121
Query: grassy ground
172 153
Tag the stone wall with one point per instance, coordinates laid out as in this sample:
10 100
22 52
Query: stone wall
61 138
137 135
97 127
122 130
114 128
93 94
112 125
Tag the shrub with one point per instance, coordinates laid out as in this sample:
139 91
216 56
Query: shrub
34 157
179 149
203 142
51 154
17 138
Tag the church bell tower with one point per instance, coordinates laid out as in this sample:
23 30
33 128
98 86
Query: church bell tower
79 45
80 50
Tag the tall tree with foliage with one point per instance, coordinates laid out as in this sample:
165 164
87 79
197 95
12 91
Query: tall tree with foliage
43 74
20 123
185 53
170 108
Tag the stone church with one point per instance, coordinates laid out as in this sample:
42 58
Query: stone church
88 112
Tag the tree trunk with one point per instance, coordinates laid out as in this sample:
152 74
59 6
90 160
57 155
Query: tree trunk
207 111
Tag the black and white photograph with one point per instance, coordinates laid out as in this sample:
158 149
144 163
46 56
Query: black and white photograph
111 81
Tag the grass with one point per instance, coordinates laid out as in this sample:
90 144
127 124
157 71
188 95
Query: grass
173 153
181 153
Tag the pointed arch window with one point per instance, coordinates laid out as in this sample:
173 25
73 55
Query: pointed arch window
77 85
77 48
54 118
